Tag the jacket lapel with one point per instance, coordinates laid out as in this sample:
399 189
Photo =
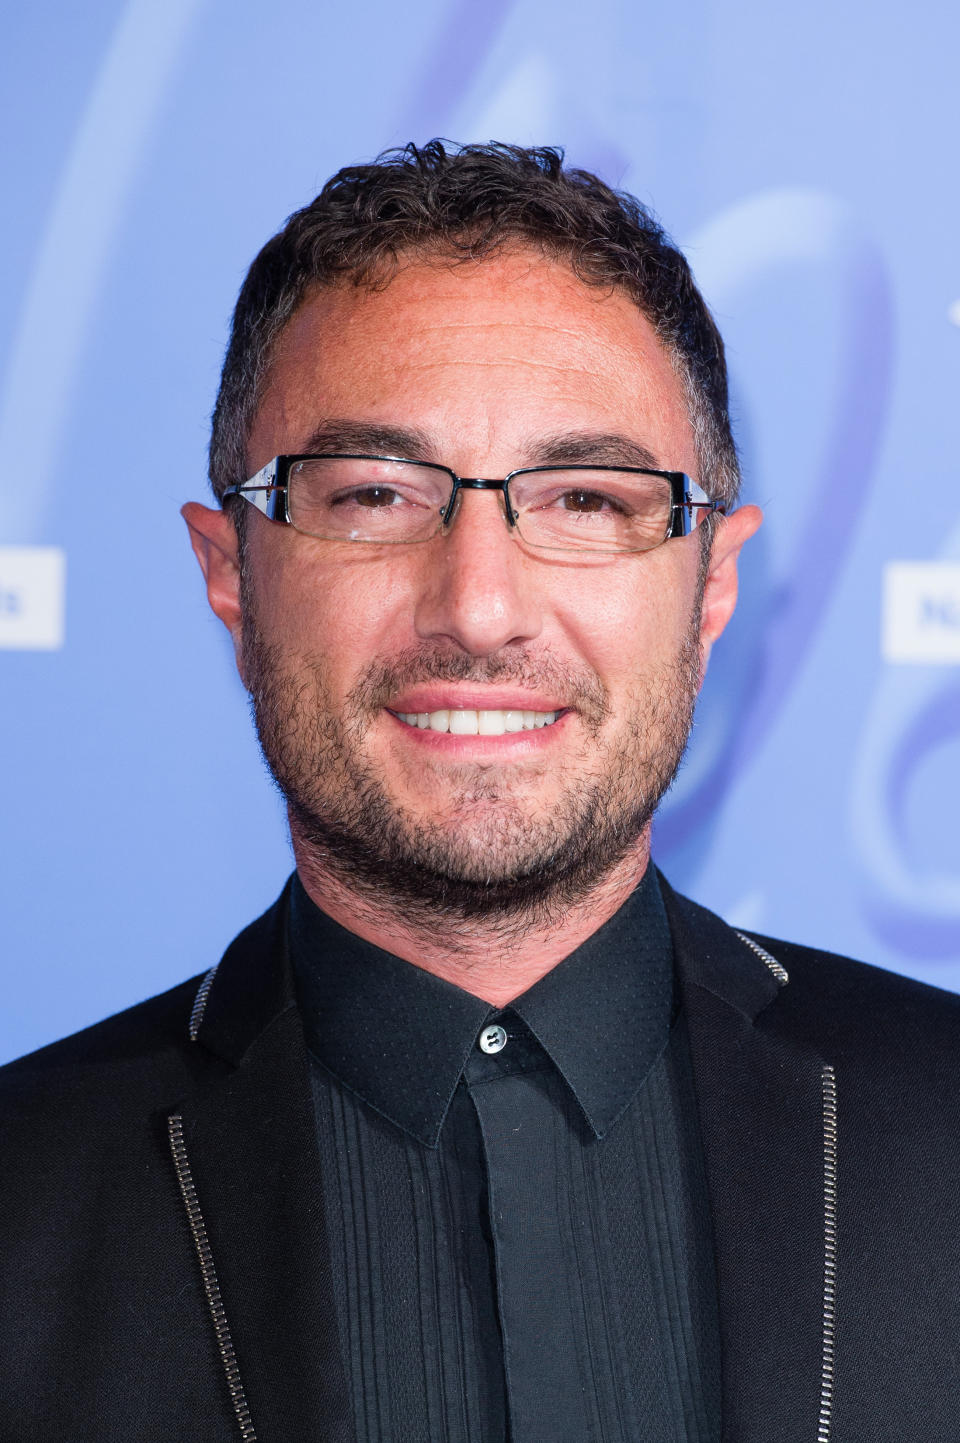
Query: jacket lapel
760 1097
249 1143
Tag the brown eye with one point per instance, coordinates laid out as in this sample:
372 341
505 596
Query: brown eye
583 501
375 496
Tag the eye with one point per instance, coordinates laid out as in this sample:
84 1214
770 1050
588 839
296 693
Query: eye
585 501
372 497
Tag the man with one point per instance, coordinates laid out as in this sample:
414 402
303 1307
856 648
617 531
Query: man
482 1132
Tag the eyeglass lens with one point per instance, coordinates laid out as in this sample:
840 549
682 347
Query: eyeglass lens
384 501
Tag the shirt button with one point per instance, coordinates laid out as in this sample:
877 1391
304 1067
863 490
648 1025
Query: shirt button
493 1038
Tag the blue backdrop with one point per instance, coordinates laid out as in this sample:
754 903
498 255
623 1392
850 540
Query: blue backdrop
805 159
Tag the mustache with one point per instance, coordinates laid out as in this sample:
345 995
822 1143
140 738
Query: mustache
581 688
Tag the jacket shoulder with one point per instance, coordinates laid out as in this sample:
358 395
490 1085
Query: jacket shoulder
847 1009
856 1006
162 1025
818 977
140 1030
139 1058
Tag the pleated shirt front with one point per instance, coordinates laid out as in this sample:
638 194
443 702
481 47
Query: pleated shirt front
515 1199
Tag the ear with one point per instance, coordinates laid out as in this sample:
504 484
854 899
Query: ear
213 537
720 588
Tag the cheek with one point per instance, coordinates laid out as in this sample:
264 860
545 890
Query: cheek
629 619
343 610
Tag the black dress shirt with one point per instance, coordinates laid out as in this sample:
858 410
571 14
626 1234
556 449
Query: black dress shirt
515 1199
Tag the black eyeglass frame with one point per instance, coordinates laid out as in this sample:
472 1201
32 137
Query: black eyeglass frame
271 483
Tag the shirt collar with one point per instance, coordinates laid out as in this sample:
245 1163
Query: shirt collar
399 1037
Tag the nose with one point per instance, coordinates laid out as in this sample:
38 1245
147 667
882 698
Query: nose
477 587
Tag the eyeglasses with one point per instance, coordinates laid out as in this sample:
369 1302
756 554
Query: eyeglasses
390 501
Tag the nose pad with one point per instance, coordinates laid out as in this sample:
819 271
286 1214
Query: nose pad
452 509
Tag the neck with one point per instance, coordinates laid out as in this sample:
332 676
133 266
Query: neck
493 961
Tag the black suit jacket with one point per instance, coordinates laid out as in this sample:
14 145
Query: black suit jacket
163 1270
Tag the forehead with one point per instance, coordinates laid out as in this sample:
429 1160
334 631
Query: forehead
480 355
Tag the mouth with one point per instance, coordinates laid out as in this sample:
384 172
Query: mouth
466 722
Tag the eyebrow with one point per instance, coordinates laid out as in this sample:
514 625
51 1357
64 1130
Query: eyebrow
591 448
370 438
562 448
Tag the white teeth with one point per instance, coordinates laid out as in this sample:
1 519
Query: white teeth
478 723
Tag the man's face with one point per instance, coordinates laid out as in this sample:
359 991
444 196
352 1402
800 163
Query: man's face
483 367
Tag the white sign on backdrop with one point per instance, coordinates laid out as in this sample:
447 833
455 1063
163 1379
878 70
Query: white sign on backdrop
32 597
921 612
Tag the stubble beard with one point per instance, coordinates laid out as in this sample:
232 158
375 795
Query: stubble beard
496 859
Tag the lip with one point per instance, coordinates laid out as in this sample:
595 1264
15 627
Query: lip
486 698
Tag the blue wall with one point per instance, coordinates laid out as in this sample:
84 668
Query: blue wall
806 161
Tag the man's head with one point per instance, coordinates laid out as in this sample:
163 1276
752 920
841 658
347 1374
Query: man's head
464 310
462 203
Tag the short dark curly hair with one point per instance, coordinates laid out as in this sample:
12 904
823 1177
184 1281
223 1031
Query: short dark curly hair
467 202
